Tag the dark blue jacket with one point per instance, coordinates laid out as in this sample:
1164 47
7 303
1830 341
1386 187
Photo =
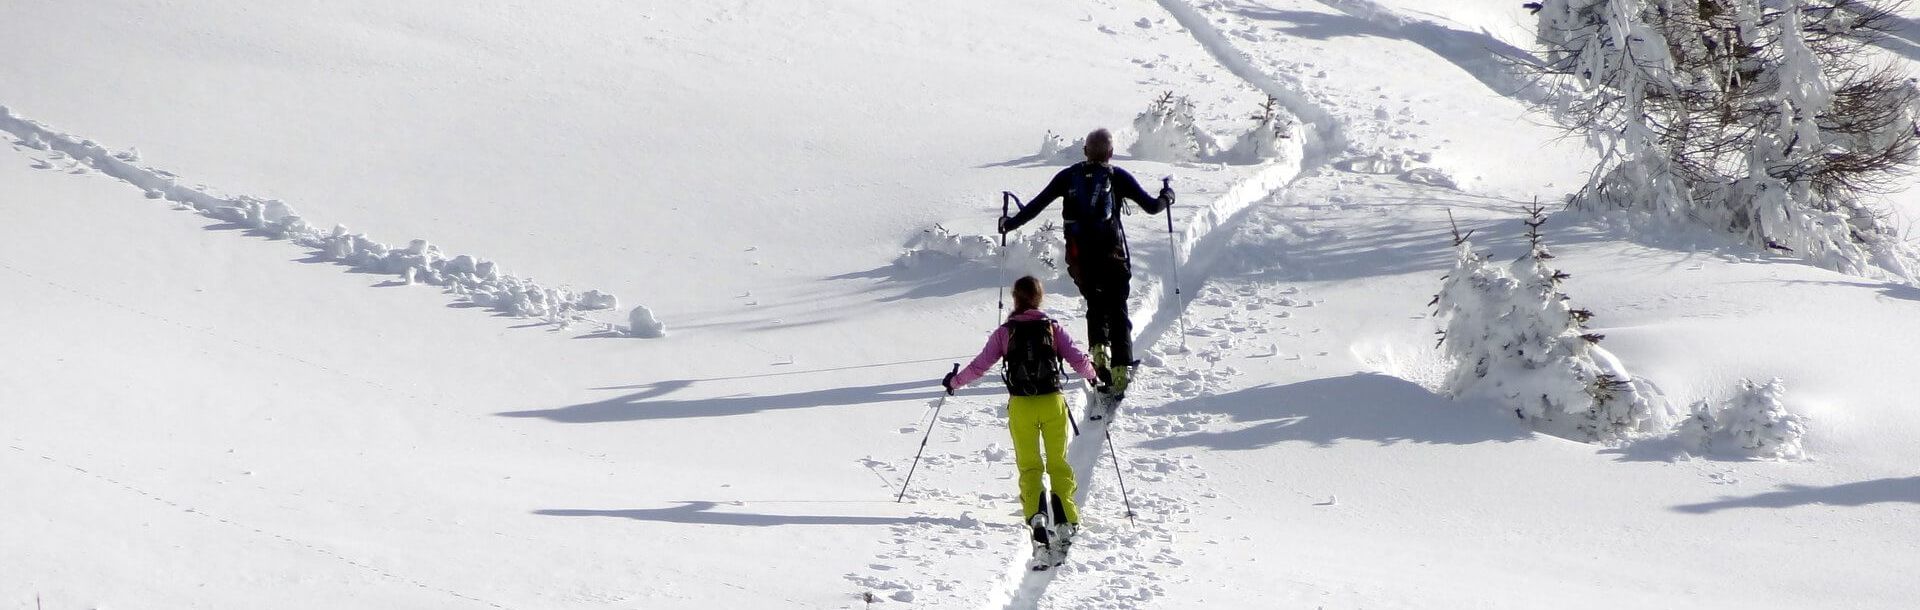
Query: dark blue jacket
1087 212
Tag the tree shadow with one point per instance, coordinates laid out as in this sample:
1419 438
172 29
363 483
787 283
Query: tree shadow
701 513
1361 406
647 403
1889 290
939 276
1483 56
1859 493
1901 38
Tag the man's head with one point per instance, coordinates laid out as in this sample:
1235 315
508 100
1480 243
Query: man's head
1099 146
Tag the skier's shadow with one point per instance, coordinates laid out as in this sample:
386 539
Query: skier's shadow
648 403
702 513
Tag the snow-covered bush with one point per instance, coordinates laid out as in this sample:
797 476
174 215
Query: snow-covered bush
1275 134
1513 337
1055 148
1755 421
1765 119
1035 253
1168 133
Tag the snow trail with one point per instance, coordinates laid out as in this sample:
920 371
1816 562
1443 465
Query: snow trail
471 278
1328 140
1024 588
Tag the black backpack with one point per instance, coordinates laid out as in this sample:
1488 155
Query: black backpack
1092 208
1032 364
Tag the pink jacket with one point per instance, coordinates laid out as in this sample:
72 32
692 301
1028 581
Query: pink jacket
997 348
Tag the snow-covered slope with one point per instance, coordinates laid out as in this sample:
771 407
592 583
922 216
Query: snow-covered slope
197 416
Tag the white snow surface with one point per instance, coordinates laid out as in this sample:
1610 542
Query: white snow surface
195 417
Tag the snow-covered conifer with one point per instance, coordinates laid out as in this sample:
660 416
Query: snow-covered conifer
1167 132
1759 118
1755 421
1273 135
1513 337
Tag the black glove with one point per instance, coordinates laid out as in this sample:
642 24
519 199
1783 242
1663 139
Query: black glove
1166 195
947 382
1006 225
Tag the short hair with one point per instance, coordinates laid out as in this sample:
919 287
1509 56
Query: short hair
1099 145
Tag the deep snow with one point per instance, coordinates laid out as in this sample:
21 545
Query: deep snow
192 418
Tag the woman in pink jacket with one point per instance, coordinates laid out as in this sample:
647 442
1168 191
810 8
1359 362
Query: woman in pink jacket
1033 345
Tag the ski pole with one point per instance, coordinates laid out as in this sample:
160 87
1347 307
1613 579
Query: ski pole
923 442
1173 258
1115 454
1008 201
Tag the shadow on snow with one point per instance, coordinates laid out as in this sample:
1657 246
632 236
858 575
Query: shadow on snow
1362 406
650 402
702 513
1859 493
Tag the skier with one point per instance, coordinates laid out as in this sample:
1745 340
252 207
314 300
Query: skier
1097 255
1033 346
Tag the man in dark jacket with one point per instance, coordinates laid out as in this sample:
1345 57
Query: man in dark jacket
1097 256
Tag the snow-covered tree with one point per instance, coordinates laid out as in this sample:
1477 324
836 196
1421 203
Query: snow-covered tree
1513 337
1271 137
1167 132
1762 118
1755 421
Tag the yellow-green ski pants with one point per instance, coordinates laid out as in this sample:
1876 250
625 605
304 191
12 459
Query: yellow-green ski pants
1041 421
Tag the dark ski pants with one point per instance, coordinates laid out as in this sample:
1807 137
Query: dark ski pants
1105 281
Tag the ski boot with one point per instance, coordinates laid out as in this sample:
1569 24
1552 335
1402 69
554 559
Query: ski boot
1061 538
1099 406
1112 390
1043 555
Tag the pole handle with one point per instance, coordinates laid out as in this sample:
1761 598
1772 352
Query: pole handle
1008 202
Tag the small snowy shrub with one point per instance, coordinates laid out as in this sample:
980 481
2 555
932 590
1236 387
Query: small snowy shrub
1755 421
1167 132
1513 337
1032 253
1273 136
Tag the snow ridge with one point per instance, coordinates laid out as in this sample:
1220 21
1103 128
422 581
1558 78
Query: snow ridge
473 279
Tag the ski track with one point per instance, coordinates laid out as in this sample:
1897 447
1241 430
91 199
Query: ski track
1116 563
1329 139
463 275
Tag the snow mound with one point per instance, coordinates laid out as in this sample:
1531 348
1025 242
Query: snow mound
478 281
641 323
1035 253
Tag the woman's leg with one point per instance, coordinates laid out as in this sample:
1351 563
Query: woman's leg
1053 434
1023 419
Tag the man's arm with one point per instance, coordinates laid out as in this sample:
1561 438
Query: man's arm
1129 189
1055 190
